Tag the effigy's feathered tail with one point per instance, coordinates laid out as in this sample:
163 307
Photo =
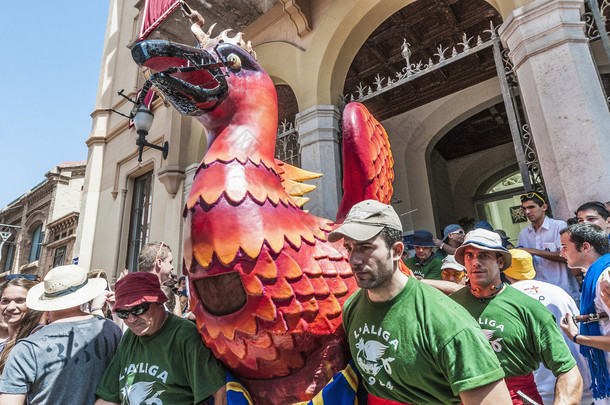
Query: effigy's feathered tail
367 160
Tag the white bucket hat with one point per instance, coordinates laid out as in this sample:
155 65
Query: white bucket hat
484 240
64 287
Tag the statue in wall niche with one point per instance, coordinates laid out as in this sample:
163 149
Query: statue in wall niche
267 287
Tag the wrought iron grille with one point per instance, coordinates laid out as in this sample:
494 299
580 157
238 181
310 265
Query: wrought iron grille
287 148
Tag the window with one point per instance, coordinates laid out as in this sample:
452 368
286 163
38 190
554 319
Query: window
139 222
36 244
60 256
10 254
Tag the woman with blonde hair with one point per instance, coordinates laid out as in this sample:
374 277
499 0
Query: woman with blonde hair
21 320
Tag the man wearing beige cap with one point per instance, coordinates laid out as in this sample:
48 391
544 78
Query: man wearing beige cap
521 275
63 362
521 331
410 342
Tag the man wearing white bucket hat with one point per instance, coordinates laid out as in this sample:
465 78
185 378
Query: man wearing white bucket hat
64 361
521 330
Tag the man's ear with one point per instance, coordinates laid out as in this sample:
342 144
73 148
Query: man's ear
545 207
397 249
586 247
500 260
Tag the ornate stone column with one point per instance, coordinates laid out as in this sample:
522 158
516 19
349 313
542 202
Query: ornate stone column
563 98
318 129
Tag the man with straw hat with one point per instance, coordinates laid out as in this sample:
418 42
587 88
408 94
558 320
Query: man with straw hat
521 275
63 362
410 342
521 331
161 358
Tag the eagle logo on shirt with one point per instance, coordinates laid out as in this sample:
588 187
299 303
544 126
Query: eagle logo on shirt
370 357
140 393
495 344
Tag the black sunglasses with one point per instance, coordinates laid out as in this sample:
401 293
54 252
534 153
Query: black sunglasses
137 310
32 277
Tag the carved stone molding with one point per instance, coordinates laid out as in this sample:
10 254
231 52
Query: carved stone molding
171 177
300 14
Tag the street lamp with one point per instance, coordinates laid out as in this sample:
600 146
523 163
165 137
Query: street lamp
143 121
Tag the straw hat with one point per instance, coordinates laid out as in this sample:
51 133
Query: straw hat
64 287
484 240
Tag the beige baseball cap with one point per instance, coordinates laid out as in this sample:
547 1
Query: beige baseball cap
365 220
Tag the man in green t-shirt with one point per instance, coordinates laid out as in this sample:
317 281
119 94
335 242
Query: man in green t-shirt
411 343
521 331
425 264
161 359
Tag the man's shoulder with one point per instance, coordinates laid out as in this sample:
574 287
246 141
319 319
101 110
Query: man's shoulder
181 328
461 295
352 300
555 224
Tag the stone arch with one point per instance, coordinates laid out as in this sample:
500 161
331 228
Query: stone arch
34 219
281 62
413 135
342 40
317 74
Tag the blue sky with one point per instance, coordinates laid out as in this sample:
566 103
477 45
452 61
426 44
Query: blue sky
51 57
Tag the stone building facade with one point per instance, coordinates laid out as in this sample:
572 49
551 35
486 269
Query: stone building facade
43 222
456 160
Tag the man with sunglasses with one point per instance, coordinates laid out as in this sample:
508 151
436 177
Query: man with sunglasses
453 271
161 359
453 237
541 239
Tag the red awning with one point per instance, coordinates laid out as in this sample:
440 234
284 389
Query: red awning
153 14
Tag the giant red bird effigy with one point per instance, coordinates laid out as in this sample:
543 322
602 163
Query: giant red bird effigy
267 287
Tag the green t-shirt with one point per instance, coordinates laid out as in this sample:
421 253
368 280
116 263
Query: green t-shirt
430 270
521 331
172 366
419 347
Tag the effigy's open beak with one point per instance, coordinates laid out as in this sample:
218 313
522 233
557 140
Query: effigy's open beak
190 78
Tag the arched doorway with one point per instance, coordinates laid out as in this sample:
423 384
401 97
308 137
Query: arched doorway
499 204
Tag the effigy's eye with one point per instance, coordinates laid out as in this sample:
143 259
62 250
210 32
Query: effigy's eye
236 61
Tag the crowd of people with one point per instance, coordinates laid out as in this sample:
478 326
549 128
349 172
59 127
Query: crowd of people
474 320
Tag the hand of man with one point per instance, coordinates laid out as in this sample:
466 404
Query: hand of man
604 286
568 326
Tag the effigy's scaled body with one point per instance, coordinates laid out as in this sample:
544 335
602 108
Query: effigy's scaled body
267 287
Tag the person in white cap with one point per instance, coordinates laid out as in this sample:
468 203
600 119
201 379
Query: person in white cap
522 332
453 271
521 275
64 361
410 342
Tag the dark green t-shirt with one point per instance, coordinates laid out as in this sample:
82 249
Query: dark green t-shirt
430 270
172 365
521 331
419 347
